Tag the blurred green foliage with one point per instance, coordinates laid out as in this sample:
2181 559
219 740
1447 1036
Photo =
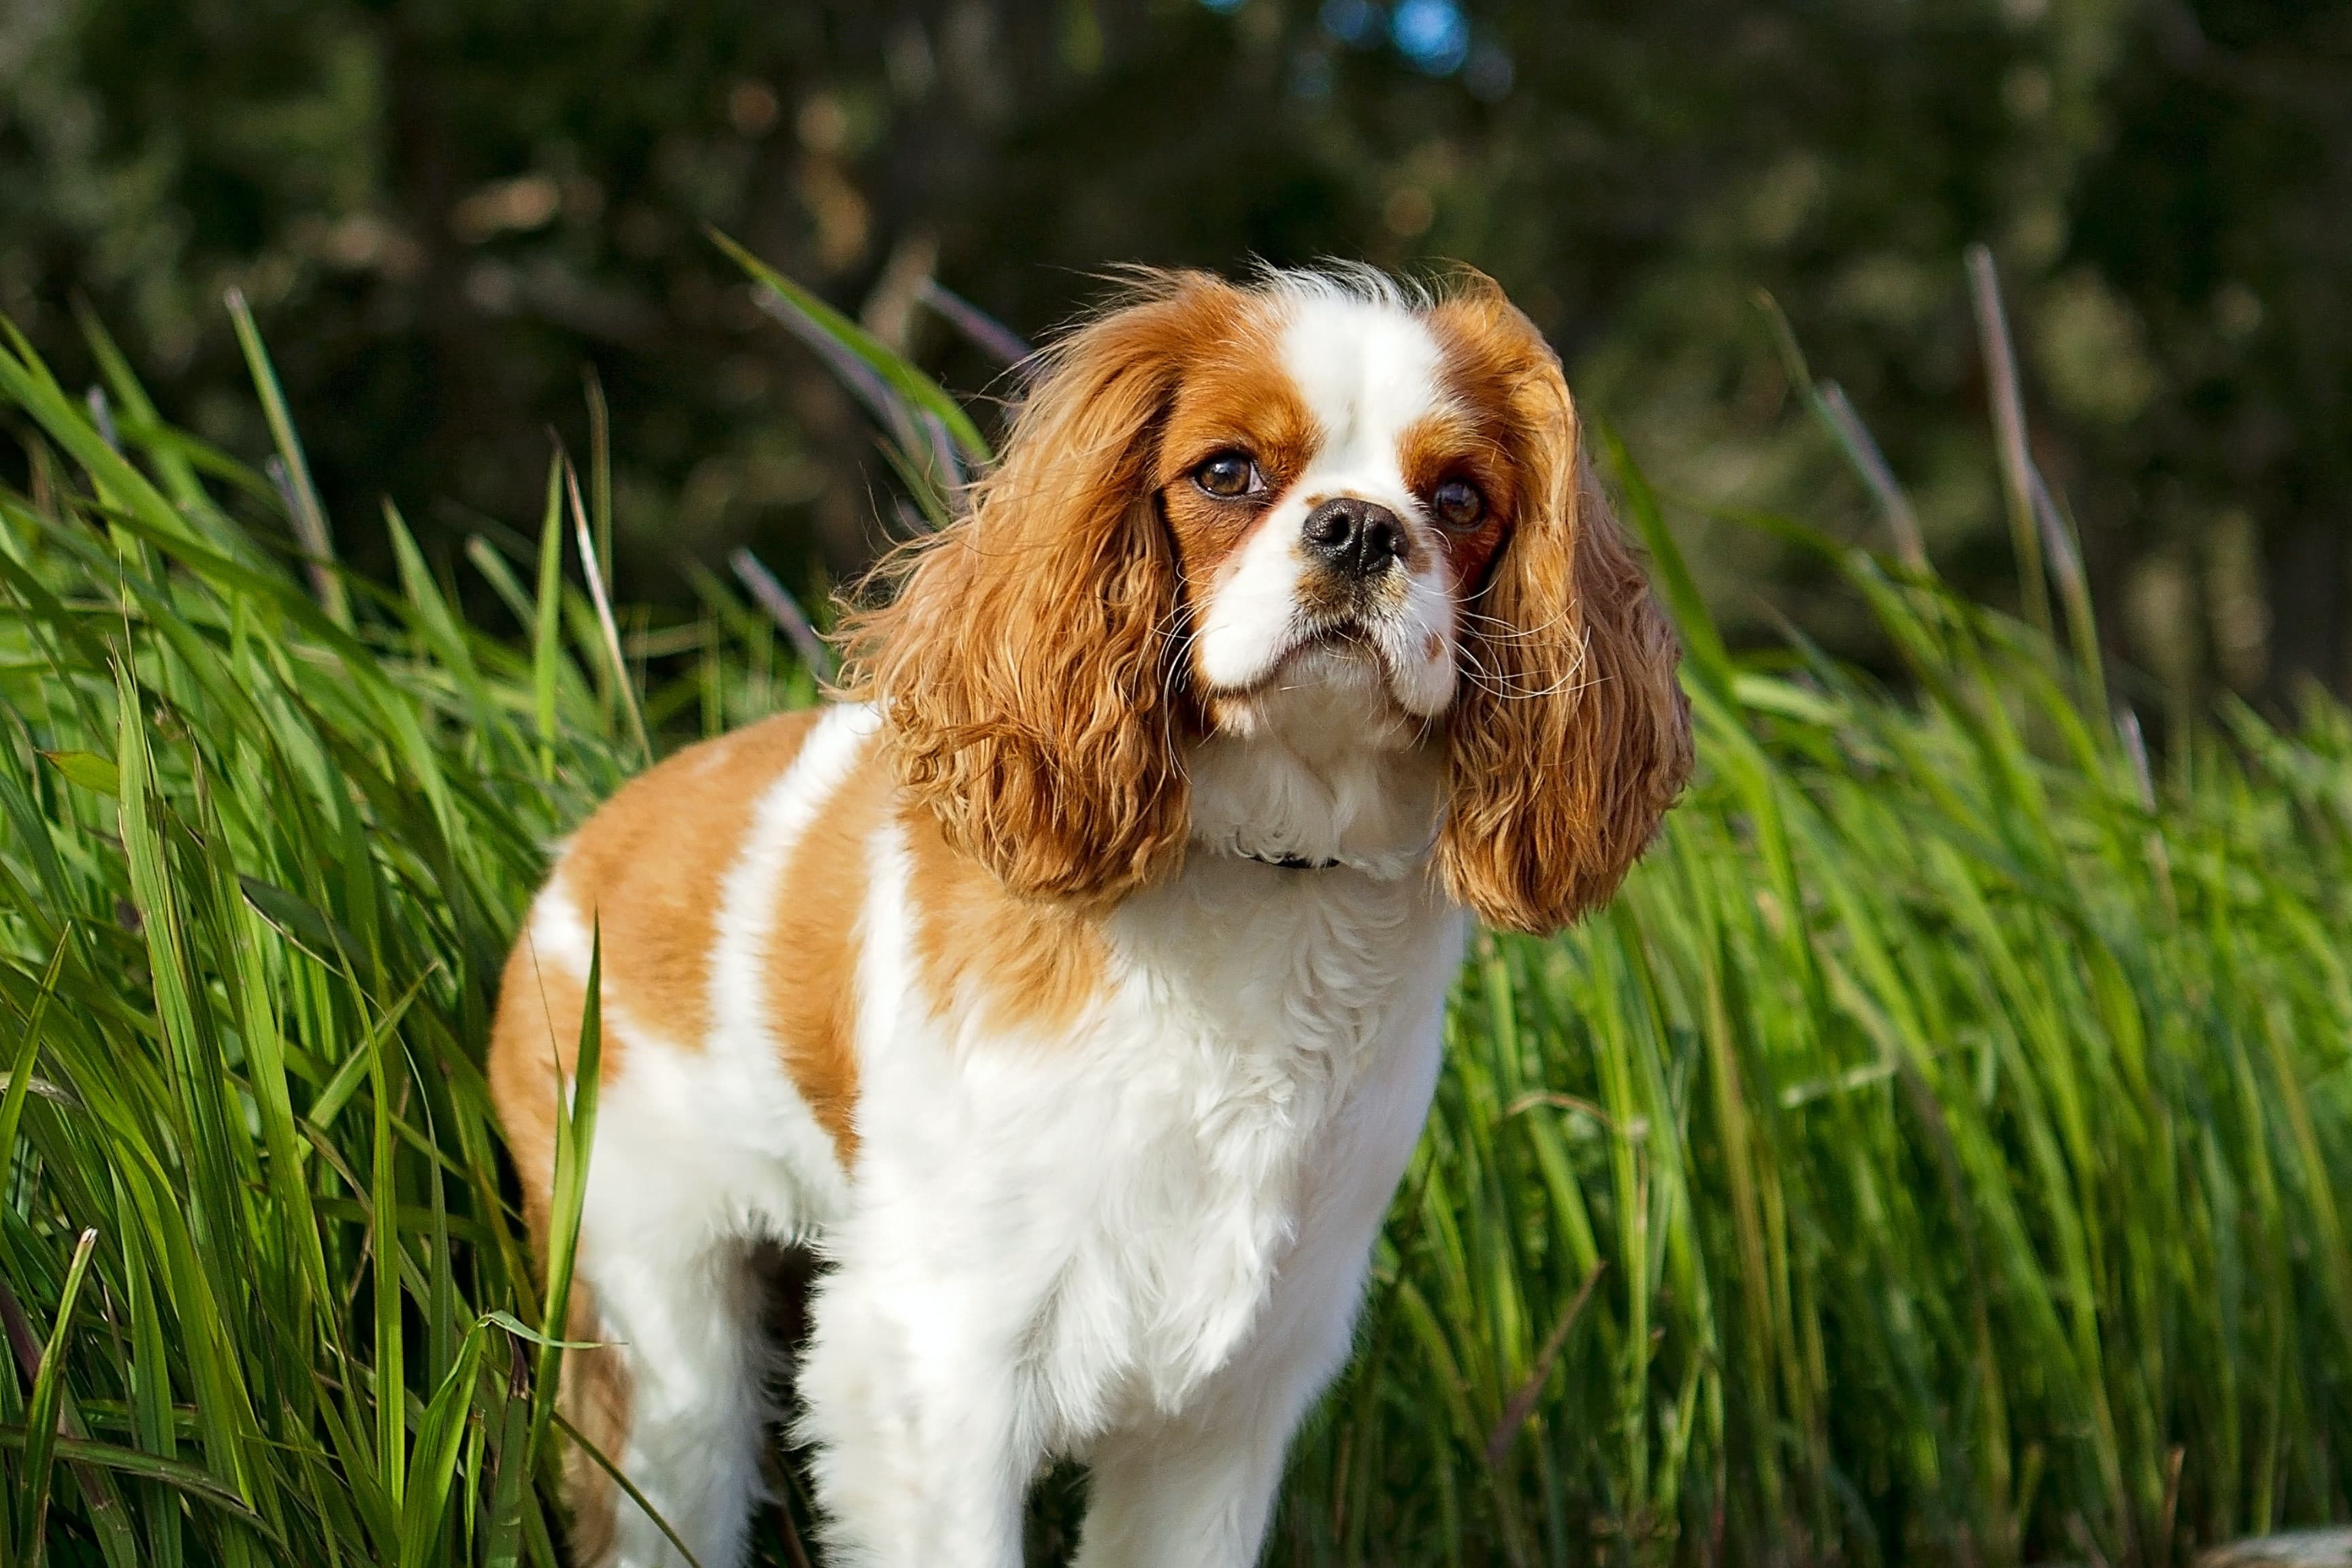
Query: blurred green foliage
445 210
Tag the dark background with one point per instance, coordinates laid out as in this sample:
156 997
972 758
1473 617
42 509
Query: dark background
446 211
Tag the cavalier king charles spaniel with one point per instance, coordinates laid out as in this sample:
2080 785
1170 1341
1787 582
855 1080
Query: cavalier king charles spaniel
1073 987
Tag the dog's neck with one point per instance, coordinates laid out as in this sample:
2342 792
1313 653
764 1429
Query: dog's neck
1318 771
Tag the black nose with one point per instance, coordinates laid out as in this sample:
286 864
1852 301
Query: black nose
1355 537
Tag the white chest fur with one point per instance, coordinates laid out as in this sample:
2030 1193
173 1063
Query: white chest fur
1273 1081
1140 1206
1128 1207
1139 1242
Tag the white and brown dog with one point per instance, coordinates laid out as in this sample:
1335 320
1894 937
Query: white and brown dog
1075 987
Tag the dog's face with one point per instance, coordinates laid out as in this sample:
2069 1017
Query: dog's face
1337 481
1318 483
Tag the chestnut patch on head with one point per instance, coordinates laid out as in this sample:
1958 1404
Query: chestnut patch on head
1459 462
1235 436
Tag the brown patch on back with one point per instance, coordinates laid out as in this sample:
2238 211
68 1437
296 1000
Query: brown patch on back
812 948
650 867
1018 964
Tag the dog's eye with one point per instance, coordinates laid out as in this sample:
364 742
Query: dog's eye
1228 475
1457 503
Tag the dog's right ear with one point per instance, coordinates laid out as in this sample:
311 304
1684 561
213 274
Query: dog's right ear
1566 752
1023 665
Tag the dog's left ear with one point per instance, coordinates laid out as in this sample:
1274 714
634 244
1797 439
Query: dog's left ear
1571 735
1022 667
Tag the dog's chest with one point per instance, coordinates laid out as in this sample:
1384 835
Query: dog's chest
1275 1023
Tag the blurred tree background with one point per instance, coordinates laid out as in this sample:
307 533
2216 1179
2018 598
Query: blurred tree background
448 214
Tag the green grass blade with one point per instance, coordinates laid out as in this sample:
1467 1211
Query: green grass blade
309 518
41 1411
909 384
575 1134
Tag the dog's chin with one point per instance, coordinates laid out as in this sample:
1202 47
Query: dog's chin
1336 679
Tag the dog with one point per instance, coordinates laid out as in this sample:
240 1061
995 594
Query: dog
1074 984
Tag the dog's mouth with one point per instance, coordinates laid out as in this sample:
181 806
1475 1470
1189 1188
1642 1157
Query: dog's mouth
1344 635
1343 659
1317 644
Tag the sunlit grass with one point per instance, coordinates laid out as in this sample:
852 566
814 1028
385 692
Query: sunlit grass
1934 1156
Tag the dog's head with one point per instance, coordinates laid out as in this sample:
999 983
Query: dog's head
1317 486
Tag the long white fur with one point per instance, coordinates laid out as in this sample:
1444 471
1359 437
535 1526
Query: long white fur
1140 1243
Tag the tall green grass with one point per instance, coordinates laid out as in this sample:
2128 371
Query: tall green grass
1935 1155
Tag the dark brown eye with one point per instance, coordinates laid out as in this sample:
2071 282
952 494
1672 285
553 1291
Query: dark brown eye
1457 503
1228 475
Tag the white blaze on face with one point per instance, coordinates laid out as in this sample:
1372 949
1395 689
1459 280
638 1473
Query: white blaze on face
1367 371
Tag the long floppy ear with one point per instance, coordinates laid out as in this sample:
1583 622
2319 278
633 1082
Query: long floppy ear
1021 668
1571 736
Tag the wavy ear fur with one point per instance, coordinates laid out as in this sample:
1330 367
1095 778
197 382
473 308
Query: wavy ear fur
1021 667
1571 736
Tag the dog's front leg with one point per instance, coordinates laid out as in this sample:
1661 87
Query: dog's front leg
1195 1493
1196 1489
915 1407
